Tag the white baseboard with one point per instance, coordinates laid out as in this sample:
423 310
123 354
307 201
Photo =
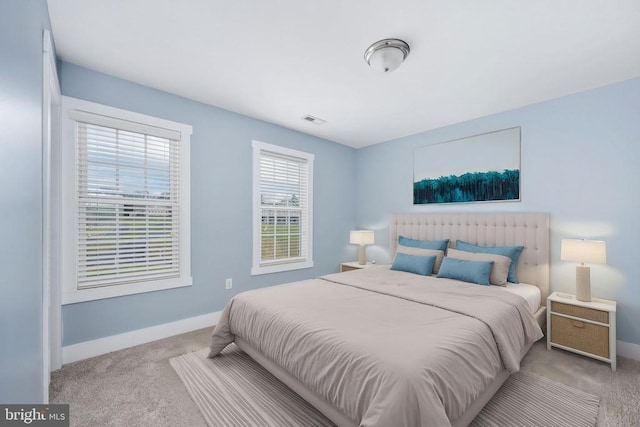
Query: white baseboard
84 350
628 350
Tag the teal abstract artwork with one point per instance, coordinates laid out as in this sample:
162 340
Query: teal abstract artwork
479 168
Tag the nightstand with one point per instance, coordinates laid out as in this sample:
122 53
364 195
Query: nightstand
348 266
587 328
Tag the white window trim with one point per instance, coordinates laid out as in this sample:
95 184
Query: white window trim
69 227
256 268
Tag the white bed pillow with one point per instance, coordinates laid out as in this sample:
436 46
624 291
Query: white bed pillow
499 271
423 252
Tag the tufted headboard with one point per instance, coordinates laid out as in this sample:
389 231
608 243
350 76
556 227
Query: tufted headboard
530 230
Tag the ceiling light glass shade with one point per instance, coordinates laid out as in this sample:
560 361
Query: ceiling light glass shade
386 55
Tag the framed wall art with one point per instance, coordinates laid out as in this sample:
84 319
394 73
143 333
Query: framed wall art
479 168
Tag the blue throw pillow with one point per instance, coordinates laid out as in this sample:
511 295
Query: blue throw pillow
467 271
440 245
512 252
414 263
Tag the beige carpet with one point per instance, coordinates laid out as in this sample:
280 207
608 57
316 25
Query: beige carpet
233 390
138 387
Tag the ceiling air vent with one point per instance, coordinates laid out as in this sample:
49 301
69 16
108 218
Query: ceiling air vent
313 119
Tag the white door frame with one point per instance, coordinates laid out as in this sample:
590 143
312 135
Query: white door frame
51 307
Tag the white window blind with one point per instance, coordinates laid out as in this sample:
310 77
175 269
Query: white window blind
283 208
128 196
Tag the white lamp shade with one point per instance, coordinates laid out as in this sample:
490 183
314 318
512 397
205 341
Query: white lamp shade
361 237
590 251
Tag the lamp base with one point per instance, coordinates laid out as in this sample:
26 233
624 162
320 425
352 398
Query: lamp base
362 255
583 283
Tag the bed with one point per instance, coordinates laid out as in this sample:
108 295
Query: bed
380 347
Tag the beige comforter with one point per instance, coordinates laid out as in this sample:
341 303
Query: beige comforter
385 348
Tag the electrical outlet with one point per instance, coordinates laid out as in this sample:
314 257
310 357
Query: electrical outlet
228 284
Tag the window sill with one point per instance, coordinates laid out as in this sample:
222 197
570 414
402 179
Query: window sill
255 271
91 294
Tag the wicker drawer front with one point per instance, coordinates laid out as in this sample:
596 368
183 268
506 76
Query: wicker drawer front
582 336
581 312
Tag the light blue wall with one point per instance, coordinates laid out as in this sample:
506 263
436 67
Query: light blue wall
580 163
221 198
21 25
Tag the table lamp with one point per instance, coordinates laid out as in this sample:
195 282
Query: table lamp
362 238
580 250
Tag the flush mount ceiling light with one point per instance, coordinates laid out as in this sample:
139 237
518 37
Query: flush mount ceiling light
386 55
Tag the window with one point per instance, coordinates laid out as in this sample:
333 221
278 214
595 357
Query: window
282 200
127 192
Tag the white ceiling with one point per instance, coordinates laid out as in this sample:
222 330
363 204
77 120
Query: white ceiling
278 60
